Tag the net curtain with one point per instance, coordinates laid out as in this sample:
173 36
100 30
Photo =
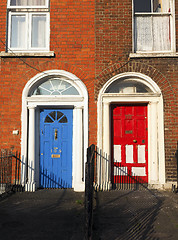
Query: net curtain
152 33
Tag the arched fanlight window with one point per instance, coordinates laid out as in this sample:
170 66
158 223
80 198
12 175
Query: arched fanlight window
55 86
55 116
128 86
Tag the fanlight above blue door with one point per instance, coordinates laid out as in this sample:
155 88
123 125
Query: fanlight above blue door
55 86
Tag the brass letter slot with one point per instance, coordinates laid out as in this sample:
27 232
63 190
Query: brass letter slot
55 155
55 134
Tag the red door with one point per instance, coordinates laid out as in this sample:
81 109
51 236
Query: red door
129 143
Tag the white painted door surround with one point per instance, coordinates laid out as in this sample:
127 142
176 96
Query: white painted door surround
125 94
31 105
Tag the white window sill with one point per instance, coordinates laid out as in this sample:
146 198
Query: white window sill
153 55
27 54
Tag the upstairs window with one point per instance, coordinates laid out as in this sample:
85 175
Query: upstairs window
153 25
28 3
28 25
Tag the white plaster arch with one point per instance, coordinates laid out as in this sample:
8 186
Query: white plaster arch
154 101
30 126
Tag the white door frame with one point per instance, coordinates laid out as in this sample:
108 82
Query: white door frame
30 128
156 154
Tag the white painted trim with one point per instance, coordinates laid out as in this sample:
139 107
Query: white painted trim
133 35
31 151
155 106
64 98
80 113
154 55
27 54
173 28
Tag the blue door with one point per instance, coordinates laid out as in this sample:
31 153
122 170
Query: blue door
56 128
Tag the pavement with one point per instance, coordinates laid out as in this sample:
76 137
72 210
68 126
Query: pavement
48 214
118 215
136 215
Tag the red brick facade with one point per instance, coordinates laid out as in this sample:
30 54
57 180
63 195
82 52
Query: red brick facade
113 46
93 40
71 39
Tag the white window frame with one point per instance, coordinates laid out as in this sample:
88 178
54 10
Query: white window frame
28 32
15 7
172 28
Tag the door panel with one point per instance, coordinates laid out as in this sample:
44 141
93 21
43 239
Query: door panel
129 142
56 128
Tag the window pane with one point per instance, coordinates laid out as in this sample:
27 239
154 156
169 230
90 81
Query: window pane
166 6
143 33
157 6
161 6
70 91
63 120
27 2
59 115
152 33
152 5
53 115
142 5
127 86
161 33
17 32
55 86
38 31
48 120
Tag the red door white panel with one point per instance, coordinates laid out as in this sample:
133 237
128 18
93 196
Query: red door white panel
129 142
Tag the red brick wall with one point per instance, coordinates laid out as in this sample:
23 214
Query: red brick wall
71 39
3 8
113 32
113 46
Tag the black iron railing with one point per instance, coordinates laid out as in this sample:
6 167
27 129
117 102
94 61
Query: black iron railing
110 175
99 176
10 171
89 179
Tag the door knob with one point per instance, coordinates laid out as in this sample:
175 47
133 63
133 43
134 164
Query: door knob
134 141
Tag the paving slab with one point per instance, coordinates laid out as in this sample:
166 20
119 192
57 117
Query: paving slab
139 215
45 214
